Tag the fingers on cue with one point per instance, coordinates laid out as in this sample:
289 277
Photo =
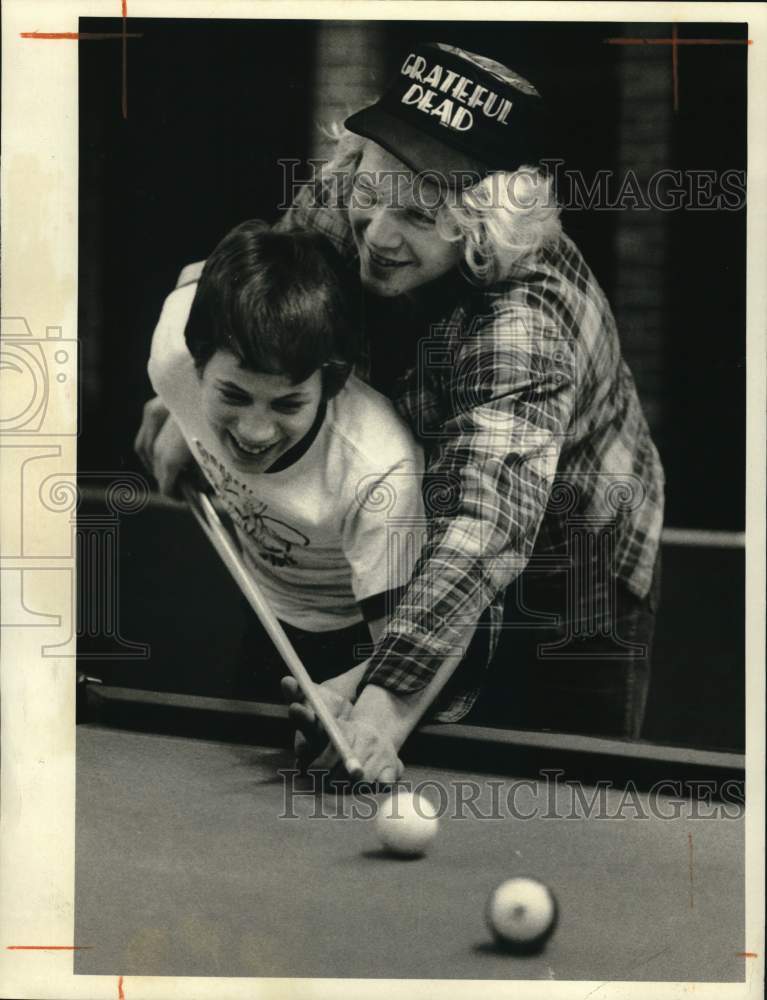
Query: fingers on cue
303 716
169 479
151 425
390 773
140 446
303 751
328 760
290 690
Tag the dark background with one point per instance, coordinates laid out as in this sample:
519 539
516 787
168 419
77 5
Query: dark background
212 105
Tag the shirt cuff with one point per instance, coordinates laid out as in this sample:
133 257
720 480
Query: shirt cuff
403 665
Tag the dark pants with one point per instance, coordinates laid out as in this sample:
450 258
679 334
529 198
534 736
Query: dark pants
324 654
574 656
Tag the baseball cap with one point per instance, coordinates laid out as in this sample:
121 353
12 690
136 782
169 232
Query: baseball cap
456 114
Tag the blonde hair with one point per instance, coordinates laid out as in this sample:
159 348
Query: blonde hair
502 222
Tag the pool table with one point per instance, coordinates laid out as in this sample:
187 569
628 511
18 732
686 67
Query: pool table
192 858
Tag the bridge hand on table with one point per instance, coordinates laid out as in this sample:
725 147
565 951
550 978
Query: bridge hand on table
374 750
310 734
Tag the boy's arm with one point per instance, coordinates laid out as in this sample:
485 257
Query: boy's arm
159 442
190 273
162 448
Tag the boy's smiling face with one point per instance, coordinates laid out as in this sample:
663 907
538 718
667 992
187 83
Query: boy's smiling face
256 417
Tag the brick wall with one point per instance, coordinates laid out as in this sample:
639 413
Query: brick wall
349 74
639 296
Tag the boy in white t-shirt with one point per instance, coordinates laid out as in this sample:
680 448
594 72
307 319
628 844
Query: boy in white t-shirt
320 476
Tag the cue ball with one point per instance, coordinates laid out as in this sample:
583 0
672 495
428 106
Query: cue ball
522 914
406 824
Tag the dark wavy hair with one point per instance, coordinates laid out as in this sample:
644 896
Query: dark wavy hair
284 303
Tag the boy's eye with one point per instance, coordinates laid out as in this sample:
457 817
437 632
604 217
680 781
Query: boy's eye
287 407
234 397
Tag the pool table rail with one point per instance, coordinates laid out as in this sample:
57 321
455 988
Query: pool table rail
520 753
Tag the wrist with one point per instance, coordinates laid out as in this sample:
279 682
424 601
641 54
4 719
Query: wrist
388 711
347 683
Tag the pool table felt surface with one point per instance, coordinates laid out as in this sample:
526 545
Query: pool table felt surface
185 868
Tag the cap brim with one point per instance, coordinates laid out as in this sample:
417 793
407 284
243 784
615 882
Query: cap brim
415 149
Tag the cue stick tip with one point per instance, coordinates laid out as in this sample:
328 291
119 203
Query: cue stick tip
354 768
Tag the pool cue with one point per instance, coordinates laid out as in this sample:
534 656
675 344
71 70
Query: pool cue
219 537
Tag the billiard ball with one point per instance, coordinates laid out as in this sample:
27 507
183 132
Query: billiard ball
522 913
406 824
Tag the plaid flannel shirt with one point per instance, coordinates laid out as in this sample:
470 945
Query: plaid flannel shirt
531 425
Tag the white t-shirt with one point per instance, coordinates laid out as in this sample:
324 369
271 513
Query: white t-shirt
326 532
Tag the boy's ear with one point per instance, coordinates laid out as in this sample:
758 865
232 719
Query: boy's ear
334 376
